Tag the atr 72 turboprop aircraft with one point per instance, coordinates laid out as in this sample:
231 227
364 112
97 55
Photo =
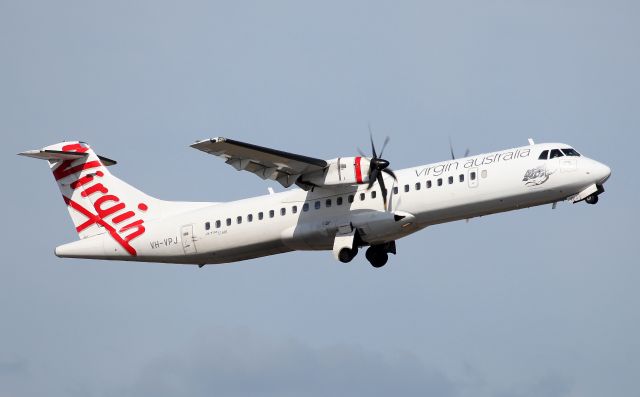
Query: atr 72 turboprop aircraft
343 204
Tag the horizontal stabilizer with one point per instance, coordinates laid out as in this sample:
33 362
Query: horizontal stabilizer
56 155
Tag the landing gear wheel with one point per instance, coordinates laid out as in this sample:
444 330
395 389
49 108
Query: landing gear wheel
377 257
593 199
347 254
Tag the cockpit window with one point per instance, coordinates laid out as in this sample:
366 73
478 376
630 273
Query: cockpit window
570 152
543 155
555 153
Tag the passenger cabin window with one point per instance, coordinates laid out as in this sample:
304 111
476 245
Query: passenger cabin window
417 185
207 226
339 201
239 220
395 190
439 181
305 207
429 184
272 213
406 188
317 205
294 209
544 155
461 177
228 221
260 216
250 218
472 175
570 152
373 194
217 224
327 203
362 196
350 198
555 153
283 211
450 180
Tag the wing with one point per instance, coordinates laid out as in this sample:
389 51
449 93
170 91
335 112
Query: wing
267 163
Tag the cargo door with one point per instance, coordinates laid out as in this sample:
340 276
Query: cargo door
188 241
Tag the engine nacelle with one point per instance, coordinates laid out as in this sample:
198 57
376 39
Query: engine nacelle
341 171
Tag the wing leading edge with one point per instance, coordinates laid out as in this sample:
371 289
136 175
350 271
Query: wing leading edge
283 167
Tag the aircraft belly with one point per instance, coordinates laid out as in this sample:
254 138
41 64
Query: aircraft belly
241 253
485 204
373 227
238 243
309 236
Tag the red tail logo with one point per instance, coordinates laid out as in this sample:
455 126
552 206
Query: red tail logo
105 204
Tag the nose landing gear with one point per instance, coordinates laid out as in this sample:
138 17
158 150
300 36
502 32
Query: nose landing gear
593 199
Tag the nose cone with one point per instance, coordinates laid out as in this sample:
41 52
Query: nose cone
601 173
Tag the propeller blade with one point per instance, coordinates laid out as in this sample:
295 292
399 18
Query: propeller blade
373 176
383 189
384 145
361 153
453 156
390 172
373 147
378 165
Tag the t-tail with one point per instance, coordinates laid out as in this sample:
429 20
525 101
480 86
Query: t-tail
97 201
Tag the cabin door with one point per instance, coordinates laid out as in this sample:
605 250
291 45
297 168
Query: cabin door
188 242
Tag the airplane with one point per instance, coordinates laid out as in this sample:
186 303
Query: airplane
342 204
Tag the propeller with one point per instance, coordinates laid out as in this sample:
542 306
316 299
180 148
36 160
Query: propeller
453 156
377 166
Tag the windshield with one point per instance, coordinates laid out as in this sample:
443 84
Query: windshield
555 153
570 152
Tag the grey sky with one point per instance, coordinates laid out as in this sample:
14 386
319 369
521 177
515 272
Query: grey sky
529 303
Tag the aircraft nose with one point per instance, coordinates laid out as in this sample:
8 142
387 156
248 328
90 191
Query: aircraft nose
602 172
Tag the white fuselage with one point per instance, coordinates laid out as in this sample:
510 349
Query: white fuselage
293 220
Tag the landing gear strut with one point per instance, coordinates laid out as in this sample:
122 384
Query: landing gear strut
593 199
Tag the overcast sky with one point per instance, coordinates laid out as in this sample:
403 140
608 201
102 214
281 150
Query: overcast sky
538 302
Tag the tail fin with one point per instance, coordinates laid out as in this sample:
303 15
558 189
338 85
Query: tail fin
97 201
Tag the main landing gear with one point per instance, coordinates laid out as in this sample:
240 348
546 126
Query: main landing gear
347 254
377 255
